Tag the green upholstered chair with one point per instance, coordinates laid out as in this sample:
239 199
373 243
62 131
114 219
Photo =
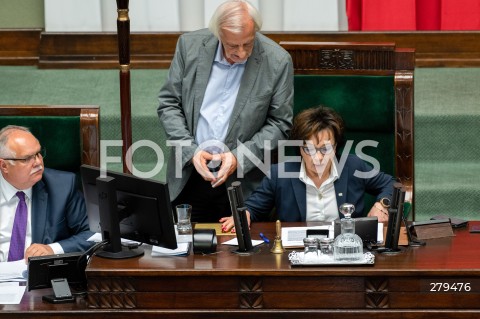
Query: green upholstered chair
371 86
70 134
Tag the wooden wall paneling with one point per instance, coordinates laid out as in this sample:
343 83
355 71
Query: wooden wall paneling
155 50
19 46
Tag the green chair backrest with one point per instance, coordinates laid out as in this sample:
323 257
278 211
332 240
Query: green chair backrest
371 85
367 105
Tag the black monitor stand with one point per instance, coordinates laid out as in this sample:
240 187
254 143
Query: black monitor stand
109 221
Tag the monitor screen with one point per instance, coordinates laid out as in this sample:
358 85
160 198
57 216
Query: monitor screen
125 206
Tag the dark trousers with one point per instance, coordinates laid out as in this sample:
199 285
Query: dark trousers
208 204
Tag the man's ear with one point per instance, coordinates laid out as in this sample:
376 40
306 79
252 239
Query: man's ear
3 165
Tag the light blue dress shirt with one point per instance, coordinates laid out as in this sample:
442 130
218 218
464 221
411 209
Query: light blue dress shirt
218 103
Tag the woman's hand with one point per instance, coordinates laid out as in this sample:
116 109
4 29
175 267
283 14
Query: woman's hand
228 225
379 211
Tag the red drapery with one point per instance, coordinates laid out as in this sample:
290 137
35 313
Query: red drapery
405 15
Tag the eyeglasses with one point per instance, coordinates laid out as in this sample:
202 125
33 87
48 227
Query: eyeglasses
324 150
30 158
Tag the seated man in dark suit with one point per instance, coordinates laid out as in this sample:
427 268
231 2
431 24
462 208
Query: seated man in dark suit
313 189
41 210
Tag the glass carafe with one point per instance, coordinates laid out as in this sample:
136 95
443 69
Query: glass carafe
348 246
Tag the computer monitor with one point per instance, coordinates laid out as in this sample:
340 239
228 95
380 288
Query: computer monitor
59 272
125 206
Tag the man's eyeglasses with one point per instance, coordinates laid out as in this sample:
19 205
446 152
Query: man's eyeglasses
311 150
30 158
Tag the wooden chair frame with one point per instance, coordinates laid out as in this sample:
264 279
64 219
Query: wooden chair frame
365 58
89 124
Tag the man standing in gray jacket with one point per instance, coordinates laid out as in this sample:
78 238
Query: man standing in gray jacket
228 99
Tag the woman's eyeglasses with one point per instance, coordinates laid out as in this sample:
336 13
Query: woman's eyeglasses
324 150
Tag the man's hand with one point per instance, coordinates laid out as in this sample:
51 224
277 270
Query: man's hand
229 225
200 160
38 250
379 211
228 167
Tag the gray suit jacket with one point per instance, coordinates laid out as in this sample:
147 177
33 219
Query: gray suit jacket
263 109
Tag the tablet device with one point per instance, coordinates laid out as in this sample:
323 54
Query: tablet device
365 227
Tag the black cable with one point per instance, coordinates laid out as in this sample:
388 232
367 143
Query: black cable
89 252
80 266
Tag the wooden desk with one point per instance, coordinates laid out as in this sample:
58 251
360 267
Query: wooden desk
263 285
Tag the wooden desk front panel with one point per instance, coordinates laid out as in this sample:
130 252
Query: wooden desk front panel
284 293
228 292
267 281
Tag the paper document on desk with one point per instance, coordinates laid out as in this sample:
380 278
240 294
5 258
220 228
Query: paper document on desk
13 271
97 237
234 242
183 249
183 245
11 293
292 237
380 234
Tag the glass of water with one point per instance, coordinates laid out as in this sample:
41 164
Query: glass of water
184 214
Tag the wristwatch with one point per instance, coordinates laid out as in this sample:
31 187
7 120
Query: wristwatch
385 201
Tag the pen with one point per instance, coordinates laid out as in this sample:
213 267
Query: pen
265 239
216 183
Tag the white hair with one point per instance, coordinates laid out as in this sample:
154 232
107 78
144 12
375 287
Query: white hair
5 132
229 15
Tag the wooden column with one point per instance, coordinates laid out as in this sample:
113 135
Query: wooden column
123 34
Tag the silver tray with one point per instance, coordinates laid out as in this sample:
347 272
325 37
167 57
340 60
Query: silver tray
296 259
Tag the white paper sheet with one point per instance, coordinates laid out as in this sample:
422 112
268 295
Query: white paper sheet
234 242
13 271
11 293
182 250
292 237
97 237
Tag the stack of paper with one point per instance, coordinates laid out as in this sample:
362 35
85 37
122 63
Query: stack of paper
183 249
292 237
13 271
